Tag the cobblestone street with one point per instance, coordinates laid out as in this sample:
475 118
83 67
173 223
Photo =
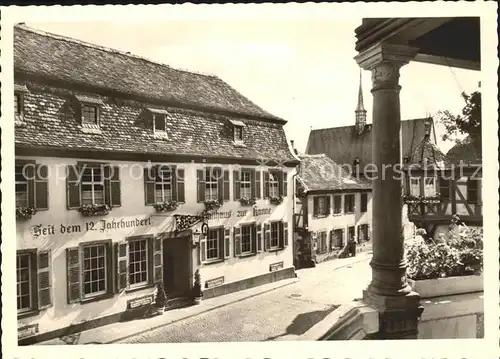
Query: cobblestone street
281 314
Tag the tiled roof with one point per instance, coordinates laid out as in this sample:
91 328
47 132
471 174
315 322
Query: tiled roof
50 122
319 172
467 150
61 58
428 153
343 144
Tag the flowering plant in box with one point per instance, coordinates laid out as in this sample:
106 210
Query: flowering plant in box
461 254
212 204
166 206
276 200
94 210
25 212
247 201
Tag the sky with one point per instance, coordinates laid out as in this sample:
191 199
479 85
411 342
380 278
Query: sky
300 70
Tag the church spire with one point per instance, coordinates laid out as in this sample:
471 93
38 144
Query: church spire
360 109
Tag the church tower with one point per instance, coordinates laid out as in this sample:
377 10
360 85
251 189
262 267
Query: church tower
360 110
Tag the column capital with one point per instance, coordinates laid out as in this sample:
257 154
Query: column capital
385 53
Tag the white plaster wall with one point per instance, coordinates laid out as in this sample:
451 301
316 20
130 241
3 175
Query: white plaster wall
132 207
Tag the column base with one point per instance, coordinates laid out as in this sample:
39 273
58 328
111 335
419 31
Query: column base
398 315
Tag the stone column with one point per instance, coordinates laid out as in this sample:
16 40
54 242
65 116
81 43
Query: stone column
388 291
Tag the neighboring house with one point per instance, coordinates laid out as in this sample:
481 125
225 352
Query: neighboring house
117 159
437 187
331 208
351 146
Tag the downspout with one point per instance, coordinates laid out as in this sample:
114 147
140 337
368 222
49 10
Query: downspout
294 185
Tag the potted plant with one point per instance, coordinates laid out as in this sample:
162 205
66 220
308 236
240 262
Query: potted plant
25 213
276 200
197 292
94 210
212 204
247 201
161 298
167 206
452 265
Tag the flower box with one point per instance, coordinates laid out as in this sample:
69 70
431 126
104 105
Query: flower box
25 213
276 200
213 204
429 288
94 210
166 206
247 201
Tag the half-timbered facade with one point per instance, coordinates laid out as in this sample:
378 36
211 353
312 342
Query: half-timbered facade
130 173
332 207
439 187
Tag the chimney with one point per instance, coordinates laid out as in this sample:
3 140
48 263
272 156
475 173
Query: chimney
360 110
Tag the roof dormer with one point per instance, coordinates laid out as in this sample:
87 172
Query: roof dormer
89 113
159 122
19 92
238 128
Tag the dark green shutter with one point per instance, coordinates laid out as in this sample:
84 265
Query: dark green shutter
259 237
252 183
285 184
173 179
285 234
44 280
157 259
41 188
257 184
221 243
200 175
225 186
115 187
266 184
315 206
236 185
180 186
73 187
122 272
281 236
254 238
237 241
73 274
29 170
267 236
149 185
327 205
227 240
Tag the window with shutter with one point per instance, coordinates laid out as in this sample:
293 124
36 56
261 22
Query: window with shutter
138 266
337 238
95 281
44 280
246 184
257 184
26 274
164 184
275 235
112 191
92 185
213 181
472 189
349 203
364 202
337 204
247 239
22 187
213 244
274 185
444 189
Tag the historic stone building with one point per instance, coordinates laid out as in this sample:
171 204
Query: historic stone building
119 163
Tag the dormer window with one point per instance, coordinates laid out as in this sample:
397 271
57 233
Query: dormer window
238 134
238 128
90 108
89 114
17 104
160 123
